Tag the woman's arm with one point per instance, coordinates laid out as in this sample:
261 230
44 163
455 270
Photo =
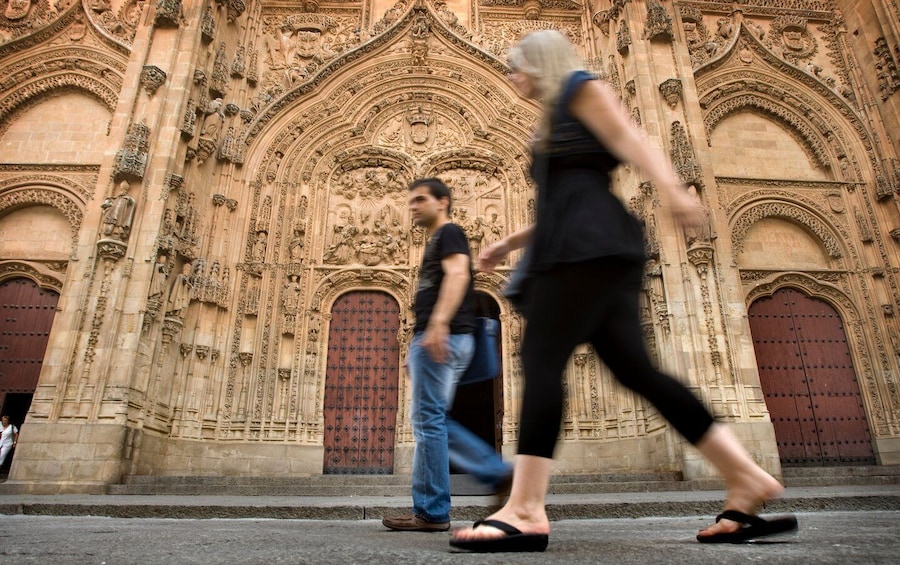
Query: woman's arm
491 255
597 107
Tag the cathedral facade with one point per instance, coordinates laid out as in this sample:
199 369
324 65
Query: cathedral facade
207 264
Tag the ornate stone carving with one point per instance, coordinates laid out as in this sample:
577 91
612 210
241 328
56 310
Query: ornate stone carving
237 64
865 235
789 38
168 13
132 158
623 37
683 157
886 69
672 91
208 25
152 77
659 22
219 80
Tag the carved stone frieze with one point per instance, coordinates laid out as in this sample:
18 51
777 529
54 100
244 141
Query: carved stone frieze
886 69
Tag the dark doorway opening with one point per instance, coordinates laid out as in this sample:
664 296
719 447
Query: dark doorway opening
479 406
15 405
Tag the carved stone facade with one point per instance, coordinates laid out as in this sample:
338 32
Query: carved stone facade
251 165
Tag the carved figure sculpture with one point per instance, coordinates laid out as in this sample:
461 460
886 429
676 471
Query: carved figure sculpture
180 296
118 214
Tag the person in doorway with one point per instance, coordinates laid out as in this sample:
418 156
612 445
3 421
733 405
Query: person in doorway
439 353
8 439
586 256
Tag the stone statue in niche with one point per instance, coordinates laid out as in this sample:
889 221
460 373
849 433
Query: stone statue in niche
259 248
494 231
180 295
159 278
476 232
295 247
214 117
702 232
118 214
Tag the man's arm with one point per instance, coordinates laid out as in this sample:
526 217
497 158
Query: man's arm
450 296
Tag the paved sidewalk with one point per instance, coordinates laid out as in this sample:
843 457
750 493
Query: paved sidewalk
560 506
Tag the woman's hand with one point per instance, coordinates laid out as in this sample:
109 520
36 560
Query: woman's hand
687 211
491 256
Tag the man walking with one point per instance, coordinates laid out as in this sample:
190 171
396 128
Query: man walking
439 353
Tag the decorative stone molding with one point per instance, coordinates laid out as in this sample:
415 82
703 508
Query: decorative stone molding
111 249
623 37
40 273
68 206
152 77
790 39
742 223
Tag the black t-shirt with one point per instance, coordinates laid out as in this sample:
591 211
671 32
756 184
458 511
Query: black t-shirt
448 240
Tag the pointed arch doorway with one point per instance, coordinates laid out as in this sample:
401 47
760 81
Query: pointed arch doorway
361 384
807 376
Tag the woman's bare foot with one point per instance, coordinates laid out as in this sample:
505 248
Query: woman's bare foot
746 494
526 522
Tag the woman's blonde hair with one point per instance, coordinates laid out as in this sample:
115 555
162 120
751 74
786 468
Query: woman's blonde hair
548 58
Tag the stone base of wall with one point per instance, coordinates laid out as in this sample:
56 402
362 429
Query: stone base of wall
757 437
887 450
160 456
61 458
633 455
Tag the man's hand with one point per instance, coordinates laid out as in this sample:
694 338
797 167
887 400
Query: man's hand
435 340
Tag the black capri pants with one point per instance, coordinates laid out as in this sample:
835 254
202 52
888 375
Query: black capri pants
595 301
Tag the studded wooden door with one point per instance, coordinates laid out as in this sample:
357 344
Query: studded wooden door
361 384
26 315
808 380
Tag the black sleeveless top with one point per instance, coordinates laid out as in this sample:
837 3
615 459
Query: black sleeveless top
578 218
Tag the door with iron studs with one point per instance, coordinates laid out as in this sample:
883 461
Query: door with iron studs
361 384
809 382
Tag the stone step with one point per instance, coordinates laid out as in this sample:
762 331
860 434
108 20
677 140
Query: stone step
842 471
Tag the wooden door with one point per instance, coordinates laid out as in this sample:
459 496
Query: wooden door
26 316
809 382
361 384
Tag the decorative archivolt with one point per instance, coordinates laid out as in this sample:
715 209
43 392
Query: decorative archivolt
787 116
341 282
745 220
811 286
43 276
68 206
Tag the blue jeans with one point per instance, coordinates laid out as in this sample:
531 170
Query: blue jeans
439 438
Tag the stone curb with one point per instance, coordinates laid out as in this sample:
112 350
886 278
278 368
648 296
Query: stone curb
463 512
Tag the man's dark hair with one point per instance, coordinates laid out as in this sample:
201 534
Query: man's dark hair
436 188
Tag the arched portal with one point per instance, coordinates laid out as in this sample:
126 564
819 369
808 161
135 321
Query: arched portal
807 375
26 316
361 384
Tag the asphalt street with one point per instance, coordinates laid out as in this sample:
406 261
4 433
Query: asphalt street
824 537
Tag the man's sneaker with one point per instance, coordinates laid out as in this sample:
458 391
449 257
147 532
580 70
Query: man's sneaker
412 523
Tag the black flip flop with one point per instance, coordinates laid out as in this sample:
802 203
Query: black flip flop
513 541
753 527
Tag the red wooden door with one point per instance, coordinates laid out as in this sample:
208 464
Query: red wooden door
26 315
361 384
809 382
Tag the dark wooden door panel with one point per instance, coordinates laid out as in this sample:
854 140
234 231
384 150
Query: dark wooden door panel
361 384
26 316
808 379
